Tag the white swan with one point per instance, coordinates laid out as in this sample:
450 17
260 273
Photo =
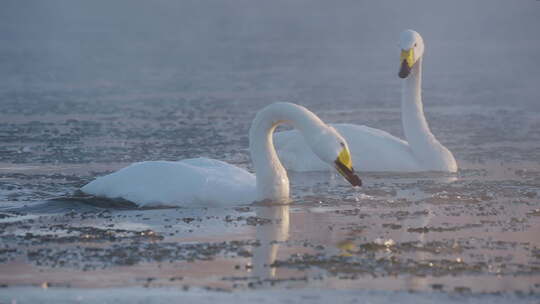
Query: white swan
208 181
377 150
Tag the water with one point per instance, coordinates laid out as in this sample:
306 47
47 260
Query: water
87 88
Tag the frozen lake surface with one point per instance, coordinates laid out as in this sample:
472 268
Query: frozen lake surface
87 88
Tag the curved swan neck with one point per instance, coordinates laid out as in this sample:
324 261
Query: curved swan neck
427 150
272 180
415 125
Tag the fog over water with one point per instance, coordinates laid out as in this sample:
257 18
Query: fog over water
220 45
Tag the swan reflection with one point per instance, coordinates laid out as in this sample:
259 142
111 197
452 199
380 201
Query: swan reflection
269 235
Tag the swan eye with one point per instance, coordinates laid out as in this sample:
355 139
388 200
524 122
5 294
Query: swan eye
342 144
415 45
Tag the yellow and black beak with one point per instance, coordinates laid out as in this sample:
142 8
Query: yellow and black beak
344 167
407 62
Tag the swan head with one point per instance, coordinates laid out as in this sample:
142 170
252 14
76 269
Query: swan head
332 148
412 49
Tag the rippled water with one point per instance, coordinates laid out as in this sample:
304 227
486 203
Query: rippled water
82 100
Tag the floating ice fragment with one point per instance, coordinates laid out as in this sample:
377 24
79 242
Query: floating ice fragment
384 242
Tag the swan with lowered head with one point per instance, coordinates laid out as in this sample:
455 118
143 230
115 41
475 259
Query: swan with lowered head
377 150
209 181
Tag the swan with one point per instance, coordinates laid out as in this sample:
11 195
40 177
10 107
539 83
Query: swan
213 182
377 150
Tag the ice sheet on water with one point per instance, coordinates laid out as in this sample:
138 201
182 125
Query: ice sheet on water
199 296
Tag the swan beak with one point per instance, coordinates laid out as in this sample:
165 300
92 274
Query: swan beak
344 166
407 62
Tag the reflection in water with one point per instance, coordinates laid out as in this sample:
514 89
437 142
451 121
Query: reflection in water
269 234
420 282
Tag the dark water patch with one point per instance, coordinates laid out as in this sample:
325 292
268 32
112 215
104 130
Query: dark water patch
127 254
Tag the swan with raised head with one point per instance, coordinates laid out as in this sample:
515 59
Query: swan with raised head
209 181
377 150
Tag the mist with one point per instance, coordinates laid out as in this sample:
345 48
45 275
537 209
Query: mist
203 47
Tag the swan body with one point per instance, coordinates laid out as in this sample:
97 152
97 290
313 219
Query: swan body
177 183
383 153
377 150
209 181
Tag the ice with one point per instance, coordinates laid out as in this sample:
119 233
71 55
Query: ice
168 295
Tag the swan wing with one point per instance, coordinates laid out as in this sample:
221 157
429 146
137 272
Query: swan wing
181 183
371 150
